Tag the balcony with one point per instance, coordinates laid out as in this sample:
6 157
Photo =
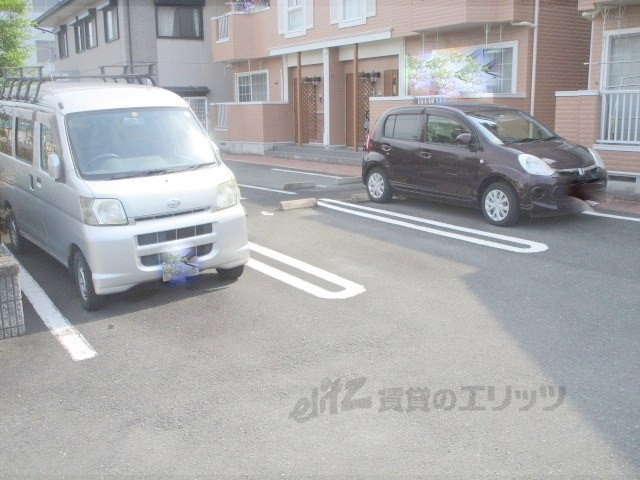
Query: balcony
620 119
242 33
449 14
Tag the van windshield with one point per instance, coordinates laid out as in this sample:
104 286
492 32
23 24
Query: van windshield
113 144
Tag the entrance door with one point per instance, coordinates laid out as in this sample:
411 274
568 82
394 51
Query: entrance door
365 90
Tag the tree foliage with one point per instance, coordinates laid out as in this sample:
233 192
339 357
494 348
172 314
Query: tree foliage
15 32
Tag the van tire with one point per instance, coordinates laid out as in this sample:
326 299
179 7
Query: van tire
500 205
84 282
18 243
230 273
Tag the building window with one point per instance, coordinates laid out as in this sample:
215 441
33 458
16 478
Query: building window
179 22
295 14
624 66
498 65
295 17
349 13
110 15
86 34
24 140
252 87
63 45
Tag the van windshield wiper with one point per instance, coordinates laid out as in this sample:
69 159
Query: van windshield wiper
140 173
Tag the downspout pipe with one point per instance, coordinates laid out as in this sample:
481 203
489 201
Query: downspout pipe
534 61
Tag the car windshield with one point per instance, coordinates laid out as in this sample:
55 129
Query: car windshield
512 126
124 143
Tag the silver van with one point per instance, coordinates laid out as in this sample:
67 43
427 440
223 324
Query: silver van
117 181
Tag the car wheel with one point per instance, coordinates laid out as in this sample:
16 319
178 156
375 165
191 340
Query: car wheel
378 186
18 243
500 204
230 273
84 282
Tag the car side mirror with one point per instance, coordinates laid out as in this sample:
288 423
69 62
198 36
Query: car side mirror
464 139
54 166
468 141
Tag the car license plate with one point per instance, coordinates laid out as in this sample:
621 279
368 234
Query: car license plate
176 266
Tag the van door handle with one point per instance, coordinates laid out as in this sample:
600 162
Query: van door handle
385 148
31 182
425 154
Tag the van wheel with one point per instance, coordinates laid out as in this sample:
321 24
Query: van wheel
82 276
230 273
18 243
500 205
378 186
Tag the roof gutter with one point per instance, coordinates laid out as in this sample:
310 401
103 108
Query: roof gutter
591 14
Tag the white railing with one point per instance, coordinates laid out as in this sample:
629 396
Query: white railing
620 122
431 99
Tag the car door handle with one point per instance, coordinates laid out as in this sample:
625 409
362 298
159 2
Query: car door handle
31 186
425 154
385 148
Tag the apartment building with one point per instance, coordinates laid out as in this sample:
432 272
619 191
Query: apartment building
169 38
606 114
318 72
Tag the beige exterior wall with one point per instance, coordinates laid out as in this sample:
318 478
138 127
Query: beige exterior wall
259 122
407 28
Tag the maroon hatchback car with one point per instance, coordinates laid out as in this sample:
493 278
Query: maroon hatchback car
493 157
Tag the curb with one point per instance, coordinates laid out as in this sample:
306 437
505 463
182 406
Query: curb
299 185
348 180
299 203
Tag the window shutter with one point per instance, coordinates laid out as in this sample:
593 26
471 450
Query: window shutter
282 21
371 8
333 9
308 8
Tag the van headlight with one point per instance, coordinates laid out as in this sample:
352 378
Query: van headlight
596 158
102 211
228 194
535 165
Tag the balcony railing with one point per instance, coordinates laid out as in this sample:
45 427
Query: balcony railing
620 122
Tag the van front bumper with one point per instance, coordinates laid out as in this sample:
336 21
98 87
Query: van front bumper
123 257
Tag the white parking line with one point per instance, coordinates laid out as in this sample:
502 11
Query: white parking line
305 173
608 215
65 333
267 189
349 288
530 246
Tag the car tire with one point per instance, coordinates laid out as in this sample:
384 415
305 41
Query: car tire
378 186
84 282
500 205
230 273
18 243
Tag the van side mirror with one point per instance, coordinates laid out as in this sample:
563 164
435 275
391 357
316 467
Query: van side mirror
54 166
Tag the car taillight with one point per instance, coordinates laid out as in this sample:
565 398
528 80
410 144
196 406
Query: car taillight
369 143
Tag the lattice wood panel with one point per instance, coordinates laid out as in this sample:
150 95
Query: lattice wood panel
365 91
309 122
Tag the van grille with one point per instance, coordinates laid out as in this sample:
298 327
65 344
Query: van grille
176 234
156 258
